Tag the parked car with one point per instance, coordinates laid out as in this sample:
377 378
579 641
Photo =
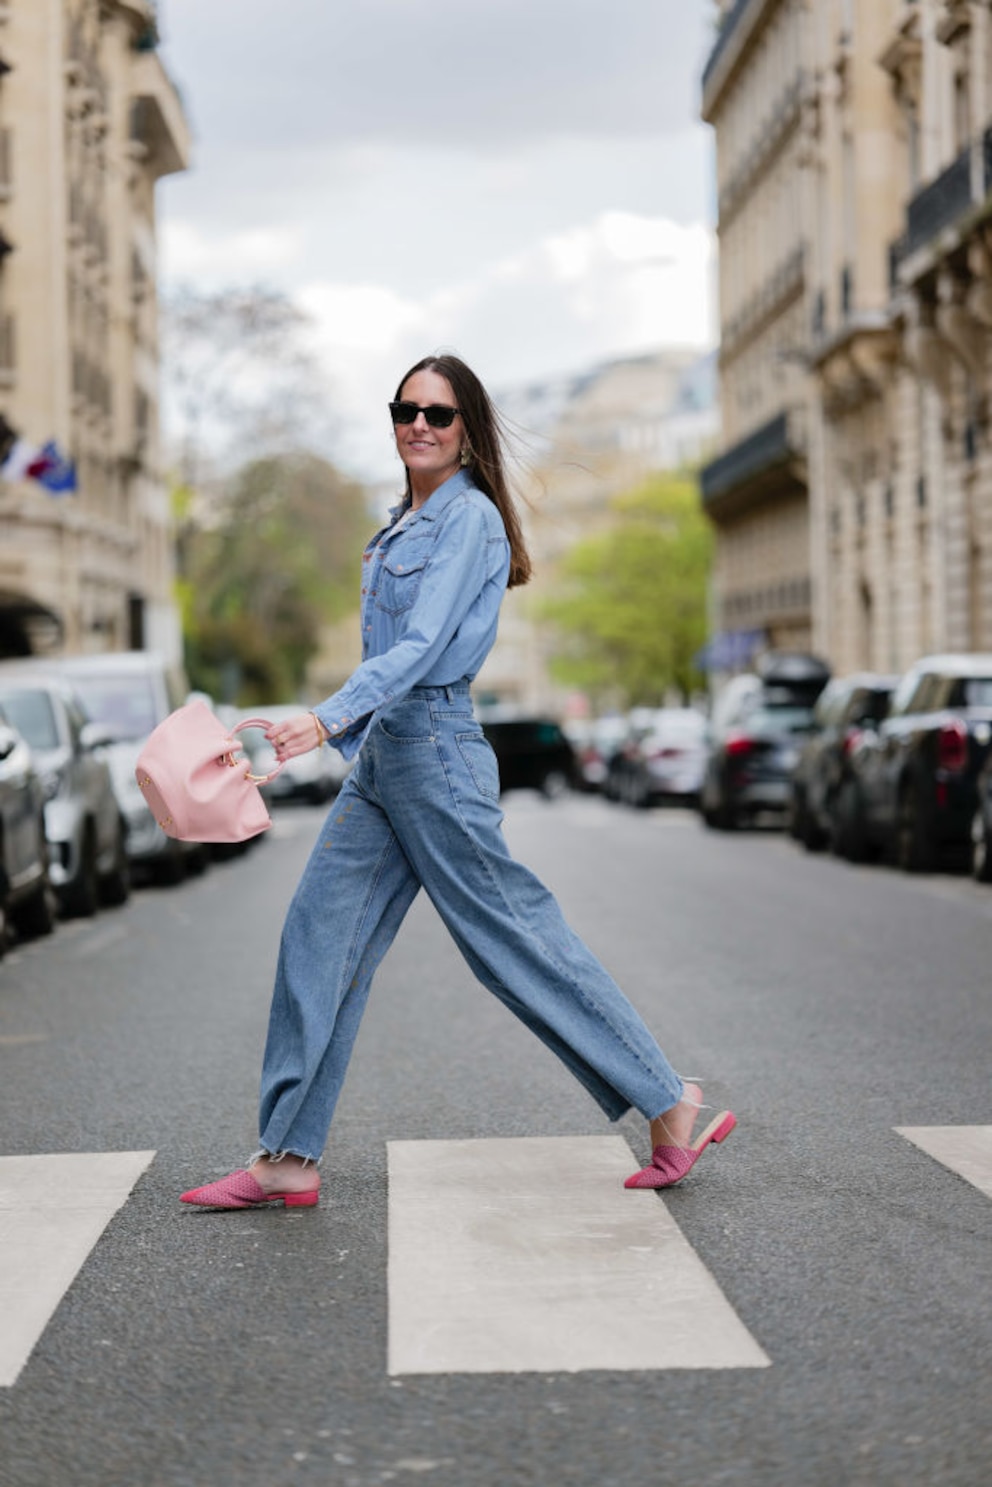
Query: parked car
26 898
130 693
823 805
981 827
595 741
315 776
532 753
916 778
759 723
665 758
87 855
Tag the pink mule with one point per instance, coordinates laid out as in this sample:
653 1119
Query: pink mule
240 1190
669 1164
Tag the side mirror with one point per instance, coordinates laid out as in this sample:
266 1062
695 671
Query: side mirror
96 736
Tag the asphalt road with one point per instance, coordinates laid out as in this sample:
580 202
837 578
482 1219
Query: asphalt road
826 1004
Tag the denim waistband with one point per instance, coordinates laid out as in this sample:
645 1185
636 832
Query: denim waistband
451 690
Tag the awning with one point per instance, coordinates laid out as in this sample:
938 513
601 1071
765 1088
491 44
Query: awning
730 650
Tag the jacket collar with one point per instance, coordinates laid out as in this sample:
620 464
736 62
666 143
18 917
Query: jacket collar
437 502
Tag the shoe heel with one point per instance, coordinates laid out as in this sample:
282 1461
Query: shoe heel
301 1200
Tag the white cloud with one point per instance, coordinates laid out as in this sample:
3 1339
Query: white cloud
611 287
188 252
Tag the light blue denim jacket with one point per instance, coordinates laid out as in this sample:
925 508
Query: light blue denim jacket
431 592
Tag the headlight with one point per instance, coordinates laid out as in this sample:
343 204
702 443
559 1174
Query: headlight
51 783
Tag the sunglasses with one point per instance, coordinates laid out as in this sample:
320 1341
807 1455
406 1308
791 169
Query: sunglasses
437 416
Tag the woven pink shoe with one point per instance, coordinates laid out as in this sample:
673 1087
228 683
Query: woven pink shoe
669 1164
240 1190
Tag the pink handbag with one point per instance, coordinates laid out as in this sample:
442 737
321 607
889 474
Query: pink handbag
197 779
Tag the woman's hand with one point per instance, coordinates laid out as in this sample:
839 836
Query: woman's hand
295 736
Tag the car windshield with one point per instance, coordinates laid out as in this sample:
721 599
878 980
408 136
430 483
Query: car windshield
126 704
766 720
32 714
978 692
685 730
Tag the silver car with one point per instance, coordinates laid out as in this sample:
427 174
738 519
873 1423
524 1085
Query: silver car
26 900
129 693
83 825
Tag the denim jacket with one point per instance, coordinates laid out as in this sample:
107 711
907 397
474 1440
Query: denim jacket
431 592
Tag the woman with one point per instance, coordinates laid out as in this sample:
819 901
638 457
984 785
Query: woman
421 809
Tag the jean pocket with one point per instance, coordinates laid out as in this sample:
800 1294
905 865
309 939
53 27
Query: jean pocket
408 721
481 762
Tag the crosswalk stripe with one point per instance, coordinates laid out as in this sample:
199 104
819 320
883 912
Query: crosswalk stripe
526 1255
53 1209
966 1150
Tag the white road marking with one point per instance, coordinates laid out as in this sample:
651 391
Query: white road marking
967 1150
53 1210
528 1255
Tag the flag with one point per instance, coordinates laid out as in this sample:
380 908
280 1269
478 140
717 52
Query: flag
54 470
19 458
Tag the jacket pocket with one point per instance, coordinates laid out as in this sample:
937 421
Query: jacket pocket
400 576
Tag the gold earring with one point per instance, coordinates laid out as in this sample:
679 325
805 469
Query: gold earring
466 455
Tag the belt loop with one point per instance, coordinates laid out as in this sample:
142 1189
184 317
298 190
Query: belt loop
449 692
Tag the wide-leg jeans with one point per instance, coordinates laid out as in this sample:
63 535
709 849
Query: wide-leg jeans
421 809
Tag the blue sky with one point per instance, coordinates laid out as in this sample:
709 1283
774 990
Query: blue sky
526 184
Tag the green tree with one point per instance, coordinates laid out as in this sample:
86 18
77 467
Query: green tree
278 561
629 607
267 534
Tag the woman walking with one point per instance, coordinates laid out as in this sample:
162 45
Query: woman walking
421 809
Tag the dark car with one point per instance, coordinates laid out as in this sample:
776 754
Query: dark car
85 830
26 899
916 778
759 724
981 827
532 753
823 805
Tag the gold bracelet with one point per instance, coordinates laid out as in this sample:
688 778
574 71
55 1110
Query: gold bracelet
318 725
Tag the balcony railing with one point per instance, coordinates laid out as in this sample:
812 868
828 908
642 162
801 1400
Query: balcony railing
730 22
940 203
770 446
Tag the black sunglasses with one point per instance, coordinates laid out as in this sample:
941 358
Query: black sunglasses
437 416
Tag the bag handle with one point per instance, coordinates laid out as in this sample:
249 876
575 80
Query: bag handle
258 779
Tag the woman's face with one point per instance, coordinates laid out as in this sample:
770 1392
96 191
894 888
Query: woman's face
430 454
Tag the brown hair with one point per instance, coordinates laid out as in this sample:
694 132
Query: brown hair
486 440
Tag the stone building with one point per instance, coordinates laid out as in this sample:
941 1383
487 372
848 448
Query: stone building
853 144
585 439
89 121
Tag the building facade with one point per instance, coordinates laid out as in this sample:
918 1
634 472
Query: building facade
857 132
586 439
89 121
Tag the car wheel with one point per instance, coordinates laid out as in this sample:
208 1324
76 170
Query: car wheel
847 829
81 897
981 855
555 784
115 886
4 909
37 915
914 849
170 868
724 818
